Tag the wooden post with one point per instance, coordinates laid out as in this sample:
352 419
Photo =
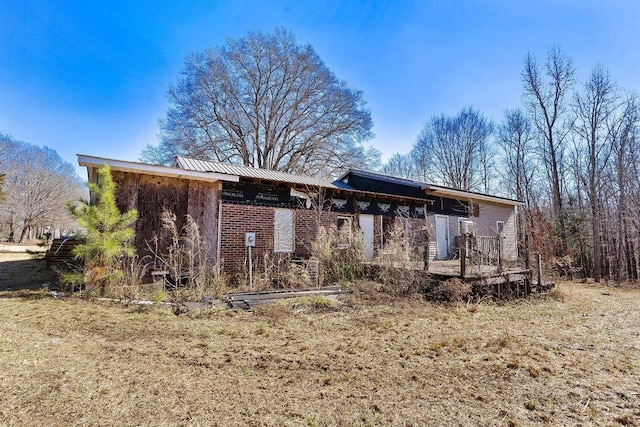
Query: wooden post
499 247
539 266
463 254
425 255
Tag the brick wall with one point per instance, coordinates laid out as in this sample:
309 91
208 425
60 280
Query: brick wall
240 219
306 227
237 220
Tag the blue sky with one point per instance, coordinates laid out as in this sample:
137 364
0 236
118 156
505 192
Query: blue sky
91 76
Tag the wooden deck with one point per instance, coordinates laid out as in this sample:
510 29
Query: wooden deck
452 267
507 282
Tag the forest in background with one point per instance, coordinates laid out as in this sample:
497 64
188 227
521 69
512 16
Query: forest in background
570 153
35 185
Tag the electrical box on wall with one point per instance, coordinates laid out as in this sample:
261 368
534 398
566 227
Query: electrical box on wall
250 239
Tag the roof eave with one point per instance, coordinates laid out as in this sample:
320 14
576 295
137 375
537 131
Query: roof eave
444 191
155 170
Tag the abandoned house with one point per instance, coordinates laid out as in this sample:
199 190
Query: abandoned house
237 206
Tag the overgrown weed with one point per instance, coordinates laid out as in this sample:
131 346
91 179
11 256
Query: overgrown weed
399 260
558 294
275 314
340 253
191 273
451 291
277 271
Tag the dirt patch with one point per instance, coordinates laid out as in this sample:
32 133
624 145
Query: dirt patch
372 362
33 247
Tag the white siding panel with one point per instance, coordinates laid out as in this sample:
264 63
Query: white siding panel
486 225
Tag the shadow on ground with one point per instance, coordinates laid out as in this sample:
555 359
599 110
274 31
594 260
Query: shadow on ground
22 272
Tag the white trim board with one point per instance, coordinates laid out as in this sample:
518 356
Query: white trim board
155 170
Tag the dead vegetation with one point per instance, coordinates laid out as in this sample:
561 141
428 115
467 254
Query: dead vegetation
397 272
339 252
191 274
365 359
13 266
451 290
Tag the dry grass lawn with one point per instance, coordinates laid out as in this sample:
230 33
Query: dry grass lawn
366 360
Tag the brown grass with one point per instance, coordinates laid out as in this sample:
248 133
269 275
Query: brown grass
362 360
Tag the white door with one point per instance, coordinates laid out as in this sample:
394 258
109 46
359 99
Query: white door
366 225
442 236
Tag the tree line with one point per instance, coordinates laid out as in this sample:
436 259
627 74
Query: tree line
570 153
35 185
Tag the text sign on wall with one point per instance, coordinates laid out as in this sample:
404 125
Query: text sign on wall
255 194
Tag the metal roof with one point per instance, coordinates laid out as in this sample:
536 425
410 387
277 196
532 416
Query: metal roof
448 191
250 172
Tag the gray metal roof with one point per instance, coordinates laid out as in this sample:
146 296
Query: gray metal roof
250 172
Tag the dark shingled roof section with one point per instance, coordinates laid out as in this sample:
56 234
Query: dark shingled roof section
386 178
422 185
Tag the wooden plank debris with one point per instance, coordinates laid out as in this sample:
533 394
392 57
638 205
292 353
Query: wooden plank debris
247 299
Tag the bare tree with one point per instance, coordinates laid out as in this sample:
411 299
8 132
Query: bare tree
545 92
515 137
421 158
457 148
265 101
2 194
623 131
592 109
401 165
38 184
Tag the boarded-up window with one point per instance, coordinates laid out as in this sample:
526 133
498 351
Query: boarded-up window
283 238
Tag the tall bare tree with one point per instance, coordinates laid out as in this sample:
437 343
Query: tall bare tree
265 101
458 150
2 194
593 107
421 158
624 134
545 92
515 137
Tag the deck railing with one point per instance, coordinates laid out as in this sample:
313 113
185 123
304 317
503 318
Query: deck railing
480 251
